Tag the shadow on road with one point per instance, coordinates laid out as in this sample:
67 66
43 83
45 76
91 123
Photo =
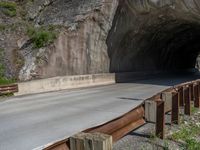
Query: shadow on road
158 78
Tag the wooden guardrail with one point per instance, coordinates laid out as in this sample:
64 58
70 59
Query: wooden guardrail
172 99
8 89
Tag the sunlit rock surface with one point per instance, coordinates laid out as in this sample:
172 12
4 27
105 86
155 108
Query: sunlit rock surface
100 36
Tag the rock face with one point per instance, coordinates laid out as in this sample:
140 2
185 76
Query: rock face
81 48
81 45
98 36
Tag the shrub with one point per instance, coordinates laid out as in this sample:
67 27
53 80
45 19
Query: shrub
41 37
4 81
192 144
8 8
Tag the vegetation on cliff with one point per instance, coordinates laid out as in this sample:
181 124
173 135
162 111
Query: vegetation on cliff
41 36
8 8
20 36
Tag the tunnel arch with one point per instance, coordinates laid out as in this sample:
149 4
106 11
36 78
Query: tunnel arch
145 37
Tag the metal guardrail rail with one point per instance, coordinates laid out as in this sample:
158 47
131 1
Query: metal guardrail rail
117 128
8 89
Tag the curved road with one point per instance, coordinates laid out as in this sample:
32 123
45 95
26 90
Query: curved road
30 122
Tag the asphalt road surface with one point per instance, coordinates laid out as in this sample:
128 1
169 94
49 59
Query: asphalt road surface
30 122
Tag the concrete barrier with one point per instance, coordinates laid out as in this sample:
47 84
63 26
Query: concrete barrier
79 81
64 82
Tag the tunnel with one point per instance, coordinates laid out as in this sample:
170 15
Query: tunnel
154 36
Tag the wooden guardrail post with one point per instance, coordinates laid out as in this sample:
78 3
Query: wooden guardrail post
187 107
160 119
150 111
197 96
155 112
191 91
171 100
167 98
175 108
91 141
181 99
77 141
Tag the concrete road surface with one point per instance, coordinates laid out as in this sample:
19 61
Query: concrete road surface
30 122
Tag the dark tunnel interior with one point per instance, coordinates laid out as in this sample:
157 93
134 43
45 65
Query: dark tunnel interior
175 47
172 46
165 47
139 42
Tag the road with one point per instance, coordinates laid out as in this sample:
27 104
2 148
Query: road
30 122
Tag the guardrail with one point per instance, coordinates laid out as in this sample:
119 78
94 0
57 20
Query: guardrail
153 110
8 89
116 128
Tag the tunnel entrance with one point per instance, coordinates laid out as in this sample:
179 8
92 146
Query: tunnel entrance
161 39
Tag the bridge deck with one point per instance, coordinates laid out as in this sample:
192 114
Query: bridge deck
32 121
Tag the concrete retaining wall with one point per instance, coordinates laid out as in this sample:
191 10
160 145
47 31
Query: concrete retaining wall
64 82
78 81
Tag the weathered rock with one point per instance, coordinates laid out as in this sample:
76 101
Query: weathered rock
35 7
81 47
23 42
96 36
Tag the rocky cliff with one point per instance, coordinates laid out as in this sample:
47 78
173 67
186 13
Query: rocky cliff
81 29
46 38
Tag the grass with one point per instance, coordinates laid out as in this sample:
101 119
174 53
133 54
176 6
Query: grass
187 135
187 131
194 109
41 36
5 81
8 8
192 144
